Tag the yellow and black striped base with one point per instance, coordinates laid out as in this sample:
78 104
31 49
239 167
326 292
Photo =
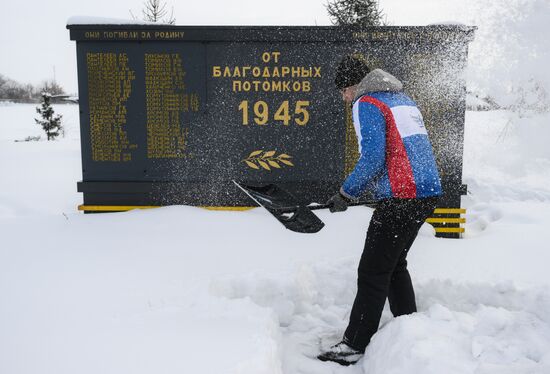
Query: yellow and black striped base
448 222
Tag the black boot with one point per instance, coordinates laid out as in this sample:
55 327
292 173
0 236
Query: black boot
342 354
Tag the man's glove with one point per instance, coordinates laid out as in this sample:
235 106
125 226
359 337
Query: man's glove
337 203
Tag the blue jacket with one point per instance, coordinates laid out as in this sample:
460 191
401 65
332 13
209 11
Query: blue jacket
396 158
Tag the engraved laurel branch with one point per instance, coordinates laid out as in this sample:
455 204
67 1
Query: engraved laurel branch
267 160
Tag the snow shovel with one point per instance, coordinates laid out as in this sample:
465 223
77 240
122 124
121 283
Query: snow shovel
286 208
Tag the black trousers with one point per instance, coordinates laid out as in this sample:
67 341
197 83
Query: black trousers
383 270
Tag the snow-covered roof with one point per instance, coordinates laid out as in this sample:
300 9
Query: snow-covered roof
90 20
448 23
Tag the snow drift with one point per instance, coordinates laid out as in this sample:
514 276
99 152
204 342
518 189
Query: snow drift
182 289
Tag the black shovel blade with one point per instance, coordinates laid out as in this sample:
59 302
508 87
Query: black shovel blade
284 207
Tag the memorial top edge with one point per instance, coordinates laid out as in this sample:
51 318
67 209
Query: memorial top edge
141 32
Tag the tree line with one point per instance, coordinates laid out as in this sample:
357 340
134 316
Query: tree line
27 93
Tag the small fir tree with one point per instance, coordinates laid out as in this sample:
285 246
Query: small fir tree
355 13
50 123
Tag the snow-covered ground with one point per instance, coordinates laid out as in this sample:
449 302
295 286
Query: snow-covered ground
186 290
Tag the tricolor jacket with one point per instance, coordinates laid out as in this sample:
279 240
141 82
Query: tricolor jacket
396 155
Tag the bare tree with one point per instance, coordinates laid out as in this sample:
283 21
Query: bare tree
3 81
13 90
355 13
155 11
50 86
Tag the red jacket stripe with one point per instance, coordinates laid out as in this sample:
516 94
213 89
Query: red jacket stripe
399 168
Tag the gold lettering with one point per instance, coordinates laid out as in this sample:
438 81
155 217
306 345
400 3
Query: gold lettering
301 108
285 70
165 103
262 112
317 72
109 87
256 72
185 102
91 34
237 86
267 56
194 101
276 86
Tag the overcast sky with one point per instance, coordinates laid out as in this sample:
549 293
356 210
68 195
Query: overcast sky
34 40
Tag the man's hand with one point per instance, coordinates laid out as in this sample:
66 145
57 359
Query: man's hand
337 203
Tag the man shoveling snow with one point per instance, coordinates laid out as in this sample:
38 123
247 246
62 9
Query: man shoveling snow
397 166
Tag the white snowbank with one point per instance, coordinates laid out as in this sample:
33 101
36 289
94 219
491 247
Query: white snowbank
460 328
182 289
490 337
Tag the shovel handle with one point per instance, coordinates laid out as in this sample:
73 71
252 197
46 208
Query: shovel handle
326 206
370 203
